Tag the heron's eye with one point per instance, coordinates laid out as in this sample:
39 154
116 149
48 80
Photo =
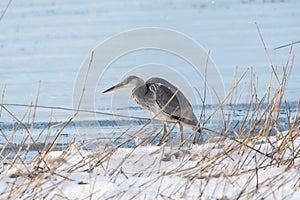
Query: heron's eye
153 87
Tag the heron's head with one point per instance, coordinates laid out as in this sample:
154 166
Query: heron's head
128 82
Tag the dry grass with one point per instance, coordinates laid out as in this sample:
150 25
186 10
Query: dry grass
237 158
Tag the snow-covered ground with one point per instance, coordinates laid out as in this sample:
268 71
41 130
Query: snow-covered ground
222 169
49 41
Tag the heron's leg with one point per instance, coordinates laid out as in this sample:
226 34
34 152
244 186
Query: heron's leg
165 128
181 131
197 137
165 133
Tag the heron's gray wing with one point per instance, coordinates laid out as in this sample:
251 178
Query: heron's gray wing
175 104
167 101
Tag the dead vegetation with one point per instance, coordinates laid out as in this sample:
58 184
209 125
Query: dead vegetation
252 157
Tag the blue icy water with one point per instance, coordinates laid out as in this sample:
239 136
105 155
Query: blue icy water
49 40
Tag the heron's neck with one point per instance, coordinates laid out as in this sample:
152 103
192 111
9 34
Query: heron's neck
138 82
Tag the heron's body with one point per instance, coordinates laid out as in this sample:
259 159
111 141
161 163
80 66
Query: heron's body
164 101
161 98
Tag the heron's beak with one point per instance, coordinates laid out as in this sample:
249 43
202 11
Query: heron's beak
116 87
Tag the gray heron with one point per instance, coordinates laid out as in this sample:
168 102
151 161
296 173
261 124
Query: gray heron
166 102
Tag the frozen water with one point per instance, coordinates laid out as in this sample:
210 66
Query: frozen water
49 41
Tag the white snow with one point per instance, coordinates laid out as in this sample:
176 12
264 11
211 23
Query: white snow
222 169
